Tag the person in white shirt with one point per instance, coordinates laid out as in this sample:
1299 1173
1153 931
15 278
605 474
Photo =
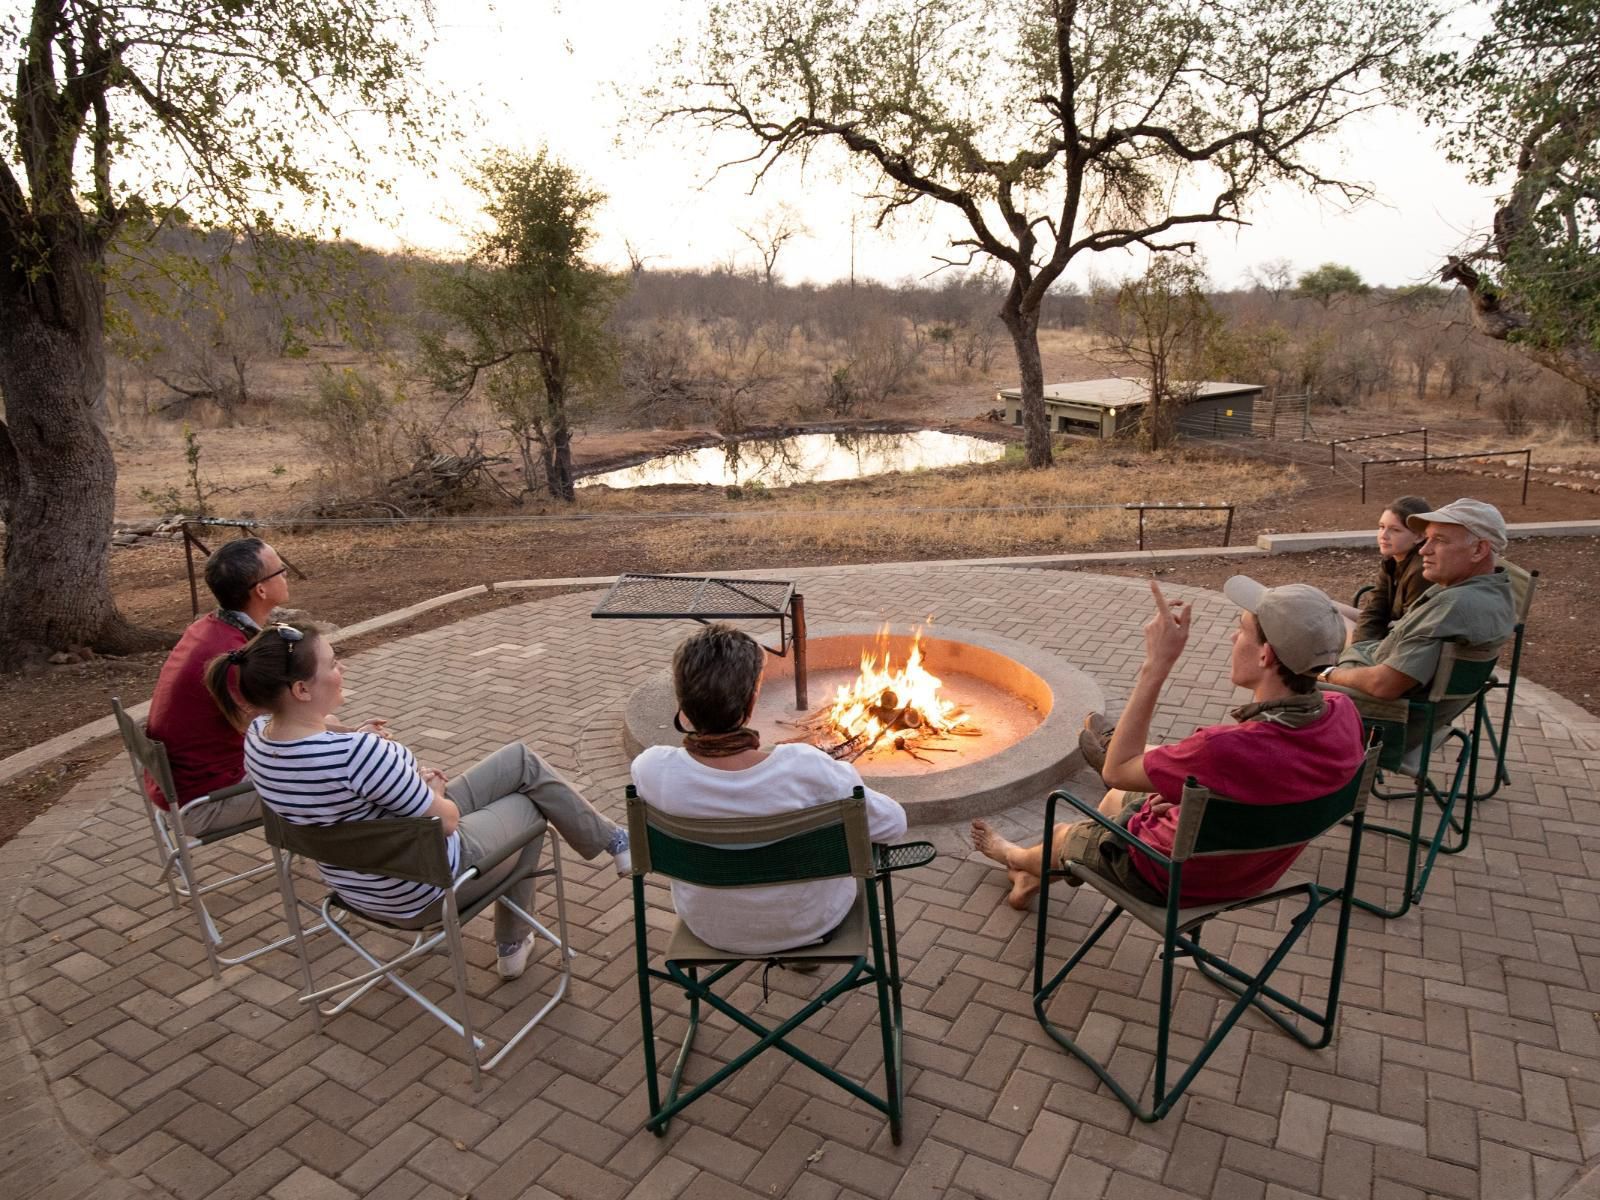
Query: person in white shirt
722 771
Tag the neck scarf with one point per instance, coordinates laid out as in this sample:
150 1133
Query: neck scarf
721 745
239 620
1296 712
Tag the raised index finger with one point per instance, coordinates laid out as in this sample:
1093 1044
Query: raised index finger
1161 601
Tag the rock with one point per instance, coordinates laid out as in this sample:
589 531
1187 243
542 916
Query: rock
62 657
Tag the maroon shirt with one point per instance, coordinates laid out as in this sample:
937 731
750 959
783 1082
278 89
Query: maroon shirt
205 751
1257 762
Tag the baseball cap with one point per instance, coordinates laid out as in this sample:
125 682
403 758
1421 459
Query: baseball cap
1298 621
1478 517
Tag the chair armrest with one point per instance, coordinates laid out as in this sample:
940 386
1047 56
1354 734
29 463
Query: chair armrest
1371 707
898 858
1118 831
1360 592
225 793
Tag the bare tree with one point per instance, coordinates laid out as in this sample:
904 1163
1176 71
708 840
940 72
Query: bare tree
1053 128
771 234
1275 277
636 260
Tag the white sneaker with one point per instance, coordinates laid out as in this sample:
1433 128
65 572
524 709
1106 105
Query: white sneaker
512 965
621 855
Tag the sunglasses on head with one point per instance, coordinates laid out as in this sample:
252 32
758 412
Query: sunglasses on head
290 636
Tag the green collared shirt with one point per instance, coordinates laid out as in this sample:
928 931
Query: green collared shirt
1480 611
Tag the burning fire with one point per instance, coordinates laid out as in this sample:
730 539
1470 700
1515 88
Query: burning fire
898 708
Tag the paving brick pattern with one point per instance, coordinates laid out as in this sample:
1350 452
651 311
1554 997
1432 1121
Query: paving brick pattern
1467 1061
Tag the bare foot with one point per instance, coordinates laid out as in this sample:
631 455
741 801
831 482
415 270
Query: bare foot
1024 886
990 844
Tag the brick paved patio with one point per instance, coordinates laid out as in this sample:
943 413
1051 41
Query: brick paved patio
1467 1062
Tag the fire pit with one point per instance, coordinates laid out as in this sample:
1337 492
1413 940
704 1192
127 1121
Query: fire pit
998 725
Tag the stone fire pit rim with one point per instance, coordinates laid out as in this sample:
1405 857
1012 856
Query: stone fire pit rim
1025 770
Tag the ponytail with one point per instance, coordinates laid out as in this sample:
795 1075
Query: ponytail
267 664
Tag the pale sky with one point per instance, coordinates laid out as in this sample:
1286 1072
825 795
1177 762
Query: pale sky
538 74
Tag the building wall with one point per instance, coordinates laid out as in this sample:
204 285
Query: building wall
1220 416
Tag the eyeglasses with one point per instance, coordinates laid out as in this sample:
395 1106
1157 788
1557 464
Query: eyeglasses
290 636
274 575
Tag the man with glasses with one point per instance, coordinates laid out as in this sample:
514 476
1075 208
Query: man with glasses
1470 601
248 580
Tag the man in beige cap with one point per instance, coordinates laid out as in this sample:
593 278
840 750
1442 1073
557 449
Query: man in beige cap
1469 600
1291 743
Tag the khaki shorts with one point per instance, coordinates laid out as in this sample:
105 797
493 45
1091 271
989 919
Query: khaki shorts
1091 844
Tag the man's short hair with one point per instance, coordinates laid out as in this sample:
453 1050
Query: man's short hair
233 569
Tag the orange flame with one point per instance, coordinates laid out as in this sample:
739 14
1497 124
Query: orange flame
881 697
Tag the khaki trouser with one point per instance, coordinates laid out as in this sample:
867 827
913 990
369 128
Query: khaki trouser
501 799
203 816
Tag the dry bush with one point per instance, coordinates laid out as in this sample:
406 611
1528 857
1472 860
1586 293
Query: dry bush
356 428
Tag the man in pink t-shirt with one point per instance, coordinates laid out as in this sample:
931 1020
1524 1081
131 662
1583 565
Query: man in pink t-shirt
1290 743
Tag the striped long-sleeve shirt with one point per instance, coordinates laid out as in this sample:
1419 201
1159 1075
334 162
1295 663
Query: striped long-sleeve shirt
335 777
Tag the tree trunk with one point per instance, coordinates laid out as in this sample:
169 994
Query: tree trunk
562 482
1024 330
57 474
1592 396
558 464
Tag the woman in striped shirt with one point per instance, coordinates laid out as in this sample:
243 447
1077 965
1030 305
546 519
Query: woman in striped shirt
312 775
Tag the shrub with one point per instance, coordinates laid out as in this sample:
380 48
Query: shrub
354 426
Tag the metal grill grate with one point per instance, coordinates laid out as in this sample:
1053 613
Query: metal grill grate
703 597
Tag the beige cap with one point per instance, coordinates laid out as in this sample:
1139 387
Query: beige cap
1478 517
1299 622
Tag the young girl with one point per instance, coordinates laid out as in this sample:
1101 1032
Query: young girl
311 775
1400 580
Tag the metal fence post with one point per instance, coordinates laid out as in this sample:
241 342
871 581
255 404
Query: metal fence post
188 554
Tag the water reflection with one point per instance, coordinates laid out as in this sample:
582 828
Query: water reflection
805 458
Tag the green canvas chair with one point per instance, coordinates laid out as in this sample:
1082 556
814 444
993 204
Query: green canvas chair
175 847
411 848
824 842
1416 735
1211 824
1523 585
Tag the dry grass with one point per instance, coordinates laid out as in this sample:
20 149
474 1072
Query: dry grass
990 510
